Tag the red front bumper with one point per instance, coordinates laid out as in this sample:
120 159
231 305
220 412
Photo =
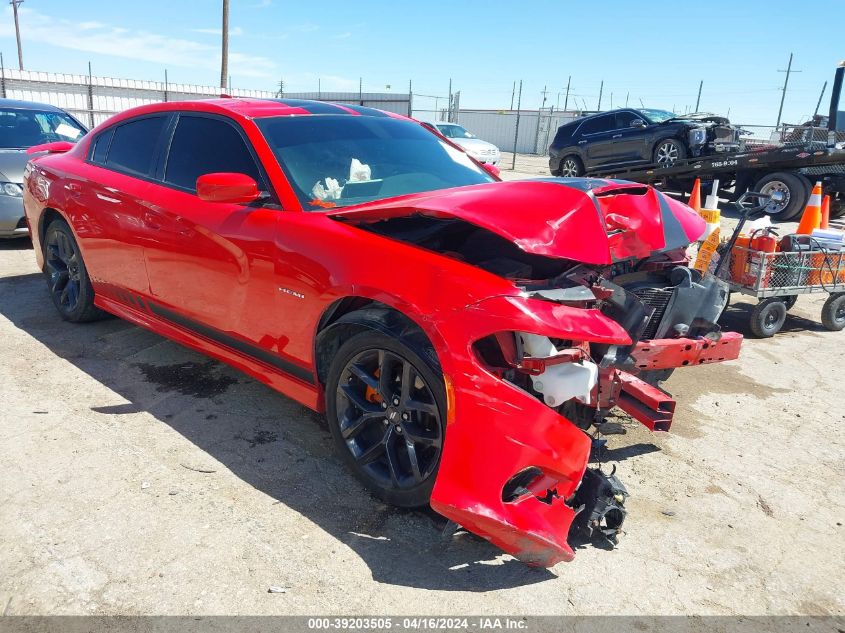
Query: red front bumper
499 431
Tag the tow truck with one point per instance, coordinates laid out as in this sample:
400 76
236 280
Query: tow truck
789 166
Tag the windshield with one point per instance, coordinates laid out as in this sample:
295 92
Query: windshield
20 128
450 130
340 160
658 116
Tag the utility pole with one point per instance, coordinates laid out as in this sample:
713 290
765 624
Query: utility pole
224 59
360 91
319 89
544 93
698 100
15 4
449 106
566 100
513 93
788 71
601 89
281 91
627 94
410 98
516 131
611 101
818 105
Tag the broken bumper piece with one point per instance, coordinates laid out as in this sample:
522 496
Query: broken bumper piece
505 473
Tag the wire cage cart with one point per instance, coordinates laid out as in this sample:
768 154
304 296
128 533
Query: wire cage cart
777 279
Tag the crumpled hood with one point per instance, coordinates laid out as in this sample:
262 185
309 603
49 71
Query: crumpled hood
590 220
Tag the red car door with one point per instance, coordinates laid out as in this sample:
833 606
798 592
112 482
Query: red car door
109 203
211 264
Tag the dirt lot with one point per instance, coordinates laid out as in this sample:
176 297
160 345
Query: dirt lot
137 477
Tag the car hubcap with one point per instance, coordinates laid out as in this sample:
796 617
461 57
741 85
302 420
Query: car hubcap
63 270
667 154
389 419
569 168
776 186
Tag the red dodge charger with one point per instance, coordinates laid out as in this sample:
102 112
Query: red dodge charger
462 334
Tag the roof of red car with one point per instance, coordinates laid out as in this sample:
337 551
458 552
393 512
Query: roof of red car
251 107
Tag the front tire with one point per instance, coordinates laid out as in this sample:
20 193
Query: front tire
571 167
669 151
67 277
386 408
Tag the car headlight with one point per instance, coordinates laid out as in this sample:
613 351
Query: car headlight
697 136
11 189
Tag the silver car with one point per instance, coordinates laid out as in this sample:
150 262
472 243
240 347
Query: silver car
24 124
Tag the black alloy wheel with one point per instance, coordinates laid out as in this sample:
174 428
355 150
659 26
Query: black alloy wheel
67 278
386 409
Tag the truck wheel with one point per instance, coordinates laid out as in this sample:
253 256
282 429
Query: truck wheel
668 151
571 167
833 312
837 209
767 317
792 187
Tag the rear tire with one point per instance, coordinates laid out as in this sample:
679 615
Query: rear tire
386 409
768 317
571 167
833 312
795 189
67 277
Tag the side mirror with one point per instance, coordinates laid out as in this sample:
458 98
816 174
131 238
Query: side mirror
227 187
637 123
491 169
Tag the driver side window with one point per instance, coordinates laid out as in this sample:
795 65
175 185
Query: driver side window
205 145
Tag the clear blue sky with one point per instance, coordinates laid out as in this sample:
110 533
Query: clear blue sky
656 51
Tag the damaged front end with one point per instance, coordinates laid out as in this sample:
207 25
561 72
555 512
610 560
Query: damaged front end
604 306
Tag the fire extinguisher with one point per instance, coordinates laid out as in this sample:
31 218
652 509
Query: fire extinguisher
763 243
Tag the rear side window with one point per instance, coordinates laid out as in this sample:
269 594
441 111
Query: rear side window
564 133
599 124
134 144
101 146
203 145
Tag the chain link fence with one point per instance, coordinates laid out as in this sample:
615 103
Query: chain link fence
93 99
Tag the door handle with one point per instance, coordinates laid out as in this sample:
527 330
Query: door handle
617 136
582 142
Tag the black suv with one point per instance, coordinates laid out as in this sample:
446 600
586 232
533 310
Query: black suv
629 137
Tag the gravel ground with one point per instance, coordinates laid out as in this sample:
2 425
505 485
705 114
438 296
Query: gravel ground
137 477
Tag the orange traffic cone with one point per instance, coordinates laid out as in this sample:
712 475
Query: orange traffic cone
695 195
825 213
812 217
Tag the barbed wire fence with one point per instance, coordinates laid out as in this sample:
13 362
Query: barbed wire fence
512 128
